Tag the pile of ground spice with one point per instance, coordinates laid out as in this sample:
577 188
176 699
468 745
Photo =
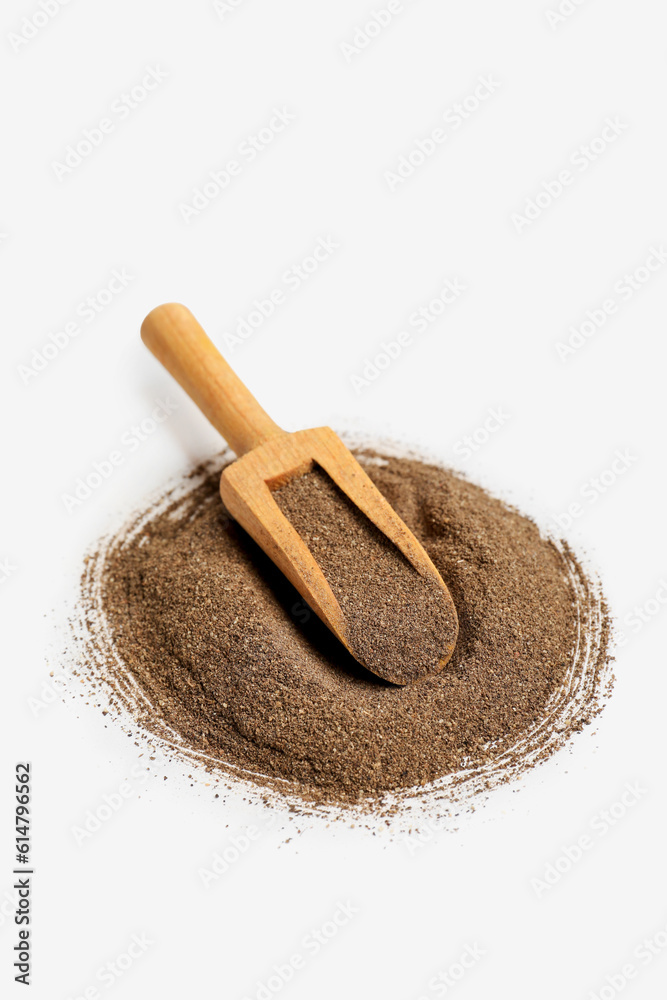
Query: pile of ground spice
193 630
399 624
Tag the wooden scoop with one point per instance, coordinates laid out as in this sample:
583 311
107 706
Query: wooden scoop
268 458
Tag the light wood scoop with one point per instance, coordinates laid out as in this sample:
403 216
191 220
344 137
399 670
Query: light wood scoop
268 458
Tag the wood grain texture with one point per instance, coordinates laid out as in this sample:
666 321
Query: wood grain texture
271 457
179 343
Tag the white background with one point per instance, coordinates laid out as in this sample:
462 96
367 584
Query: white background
325 176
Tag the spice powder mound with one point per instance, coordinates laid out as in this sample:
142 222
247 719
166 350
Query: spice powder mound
396 620
193 630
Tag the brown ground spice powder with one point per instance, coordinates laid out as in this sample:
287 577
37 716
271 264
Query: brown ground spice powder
396 619
193 630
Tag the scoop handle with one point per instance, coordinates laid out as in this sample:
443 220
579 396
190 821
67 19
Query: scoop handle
179 343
